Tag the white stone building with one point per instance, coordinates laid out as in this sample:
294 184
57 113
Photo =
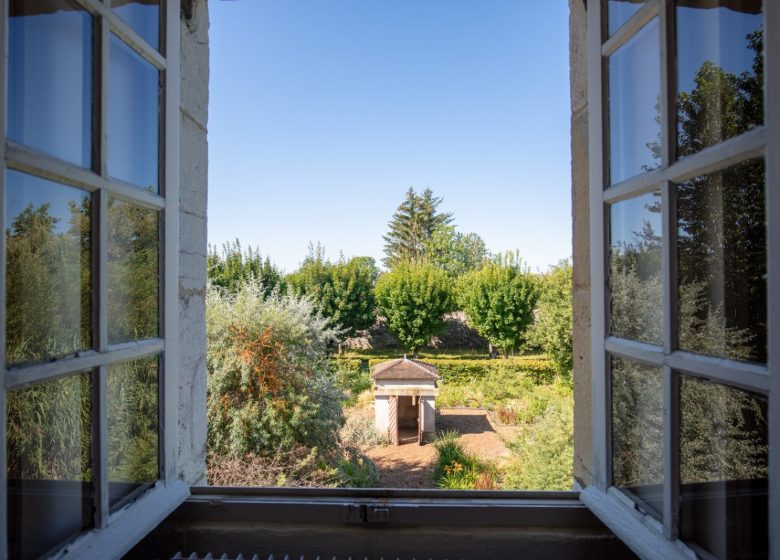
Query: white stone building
405 400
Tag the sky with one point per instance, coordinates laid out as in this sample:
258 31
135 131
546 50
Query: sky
322 114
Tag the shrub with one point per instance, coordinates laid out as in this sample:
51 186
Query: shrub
269 385
552 329
456 469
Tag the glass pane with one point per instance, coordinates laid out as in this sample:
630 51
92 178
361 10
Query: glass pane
620 11
723 470
634 94
48 293
143 16
133 426
50 78
49 468
133 272
720 72
637 432
635 269
133 117
721 250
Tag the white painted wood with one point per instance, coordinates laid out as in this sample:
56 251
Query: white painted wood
3 132
128 526
671 457
170 246
596 77
635 350
772 116
122 30
24 377
636 530
27 160
100 445
752 377
631 27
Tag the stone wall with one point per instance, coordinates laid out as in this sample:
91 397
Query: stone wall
457 335
578 75
193 241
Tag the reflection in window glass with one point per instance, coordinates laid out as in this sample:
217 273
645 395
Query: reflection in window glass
620 11
723 470
635 269
50 78
48 252
634 90
637 431
133 117
721 248
143 16
133 272
720 72
133 439
49 469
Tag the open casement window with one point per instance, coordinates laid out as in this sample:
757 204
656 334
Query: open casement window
685 196
88 325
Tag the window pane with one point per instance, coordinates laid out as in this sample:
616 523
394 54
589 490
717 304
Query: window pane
133 439
723 469
143 16
635 269
721 252
634 89
50 78
637 432
720 72
133 117
620 11
49 468
133 272
48 292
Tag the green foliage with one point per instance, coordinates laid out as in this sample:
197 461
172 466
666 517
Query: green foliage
233 267
48 430
454 252
553 324
499 300
357 471
48 294
342 292
412 226
414 298
543 451
269 385
456 469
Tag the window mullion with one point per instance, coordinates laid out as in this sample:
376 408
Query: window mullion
771 92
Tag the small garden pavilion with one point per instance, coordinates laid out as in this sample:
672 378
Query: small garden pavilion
405 399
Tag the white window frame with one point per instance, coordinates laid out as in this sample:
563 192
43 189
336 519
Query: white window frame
648 537
115 531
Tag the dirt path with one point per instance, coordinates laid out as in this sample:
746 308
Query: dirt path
411 465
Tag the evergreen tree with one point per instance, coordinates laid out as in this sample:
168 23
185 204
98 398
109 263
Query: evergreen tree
412 226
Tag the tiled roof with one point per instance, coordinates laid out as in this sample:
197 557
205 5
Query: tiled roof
405 369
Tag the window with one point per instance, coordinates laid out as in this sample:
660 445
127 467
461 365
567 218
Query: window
682 174
88 328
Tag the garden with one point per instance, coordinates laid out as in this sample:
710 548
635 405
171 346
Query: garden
290 397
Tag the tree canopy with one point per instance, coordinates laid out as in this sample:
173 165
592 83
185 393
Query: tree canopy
413 223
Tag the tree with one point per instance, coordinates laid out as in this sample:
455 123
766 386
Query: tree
454 252
552 329
499 300
411 226
414 298
233 267
342 292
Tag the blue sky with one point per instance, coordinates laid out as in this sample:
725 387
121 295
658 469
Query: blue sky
323 113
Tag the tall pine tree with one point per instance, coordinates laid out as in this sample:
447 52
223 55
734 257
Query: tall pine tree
411 226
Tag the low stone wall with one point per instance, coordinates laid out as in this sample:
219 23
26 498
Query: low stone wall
456 336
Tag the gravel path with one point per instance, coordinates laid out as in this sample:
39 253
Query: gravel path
411 465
